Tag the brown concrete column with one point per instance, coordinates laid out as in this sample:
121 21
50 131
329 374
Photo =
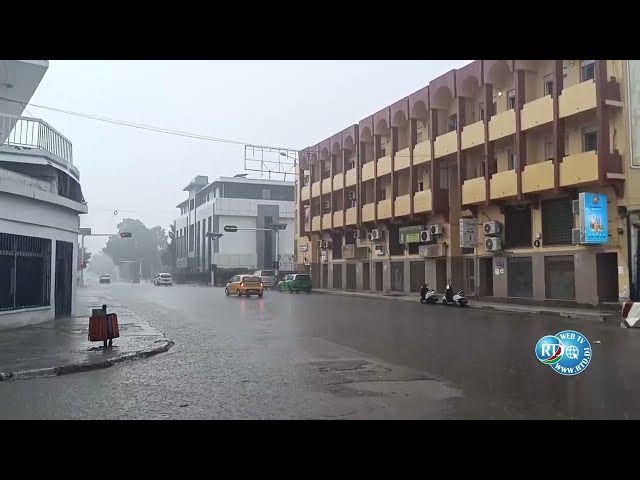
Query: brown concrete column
345 154
602 113
321 170
461 158
490 165
334 158
394 177
521 138
435 171
361 152
413 135
558 123
377 147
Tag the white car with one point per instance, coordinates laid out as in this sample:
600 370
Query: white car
268 278
163 279
105 278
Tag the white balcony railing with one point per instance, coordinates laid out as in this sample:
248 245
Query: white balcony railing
34 133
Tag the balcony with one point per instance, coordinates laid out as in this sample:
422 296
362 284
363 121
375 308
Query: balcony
368 171
538 112
579 168
384 209
504 184
368 212
338 181
384 166
326 185
315 223
577 98
537 177
422 201
474 191
35 138
305 193
502 125
472 135
350 178
401 160
315 189
402 205
338 219
422 152
351 216
446 144
326 221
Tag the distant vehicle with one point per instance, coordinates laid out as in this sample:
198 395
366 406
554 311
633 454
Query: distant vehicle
268 278
163 279
105 278
296 282
244 285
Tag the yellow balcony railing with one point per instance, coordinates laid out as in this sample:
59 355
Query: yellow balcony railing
538 112
350 177
368 212
338 220
368 171
422 201
305 193
384 209
315 189
502 125
326 221
384 166
402 205
446 144
474 190
504 184
472 135
422 152
338 181
537 177
579 168
315 223
351 216
401 160
326 185
577 98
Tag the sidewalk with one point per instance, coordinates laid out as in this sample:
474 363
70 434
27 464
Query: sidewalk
580 313
61 346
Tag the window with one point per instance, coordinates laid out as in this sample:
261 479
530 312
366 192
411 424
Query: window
587 70
444 176
548 149
517 226
548 84
453 122
383 194
511 160
511 99
494 107
266 194
557 221
25 272
589 139
421 186
481 106
480 169
383 152
191 238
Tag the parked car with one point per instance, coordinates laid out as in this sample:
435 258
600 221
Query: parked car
268 278
296 282
105 278
244 285
164 279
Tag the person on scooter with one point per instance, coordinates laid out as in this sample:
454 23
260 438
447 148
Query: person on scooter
423 292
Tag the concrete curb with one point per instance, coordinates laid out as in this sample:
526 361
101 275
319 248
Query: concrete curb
164 346
600 317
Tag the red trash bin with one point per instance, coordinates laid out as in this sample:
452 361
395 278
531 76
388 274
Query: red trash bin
103 326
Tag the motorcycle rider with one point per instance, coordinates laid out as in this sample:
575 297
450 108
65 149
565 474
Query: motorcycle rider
423 292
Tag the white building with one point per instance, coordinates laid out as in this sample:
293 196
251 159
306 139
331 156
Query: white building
242 202
40 200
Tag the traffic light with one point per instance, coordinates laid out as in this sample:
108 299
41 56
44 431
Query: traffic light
230 228
125 235
276 265
83 265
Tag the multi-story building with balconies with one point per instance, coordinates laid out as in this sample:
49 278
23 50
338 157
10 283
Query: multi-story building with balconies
246 203
507 146
40 203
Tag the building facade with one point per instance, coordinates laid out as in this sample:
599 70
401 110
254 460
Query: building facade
40 204
510 147
246 203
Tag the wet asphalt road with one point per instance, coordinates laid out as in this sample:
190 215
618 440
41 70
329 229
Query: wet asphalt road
331 357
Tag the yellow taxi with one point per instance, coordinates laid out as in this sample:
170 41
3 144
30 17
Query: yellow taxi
244 285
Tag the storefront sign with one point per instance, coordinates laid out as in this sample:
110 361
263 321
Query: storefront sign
468 233
304 247
410 234
594 220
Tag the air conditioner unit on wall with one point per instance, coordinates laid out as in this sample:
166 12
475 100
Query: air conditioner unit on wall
576 236
493 244
377 234
325 244
493 228
431 251
436 229
353 195
425 236
327 204
356 234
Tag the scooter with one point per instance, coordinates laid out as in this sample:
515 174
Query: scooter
427 296
454 299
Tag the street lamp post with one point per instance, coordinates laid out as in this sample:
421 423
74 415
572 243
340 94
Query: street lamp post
86 232
212 236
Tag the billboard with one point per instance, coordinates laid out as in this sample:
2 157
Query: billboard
594 219
410 234
468 232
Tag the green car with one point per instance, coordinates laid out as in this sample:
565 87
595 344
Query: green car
295 283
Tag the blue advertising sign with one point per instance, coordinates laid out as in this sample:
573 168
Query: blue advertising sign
595 221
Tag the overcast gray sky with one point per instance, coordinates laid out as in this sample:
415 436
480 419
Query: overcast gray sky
282 103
